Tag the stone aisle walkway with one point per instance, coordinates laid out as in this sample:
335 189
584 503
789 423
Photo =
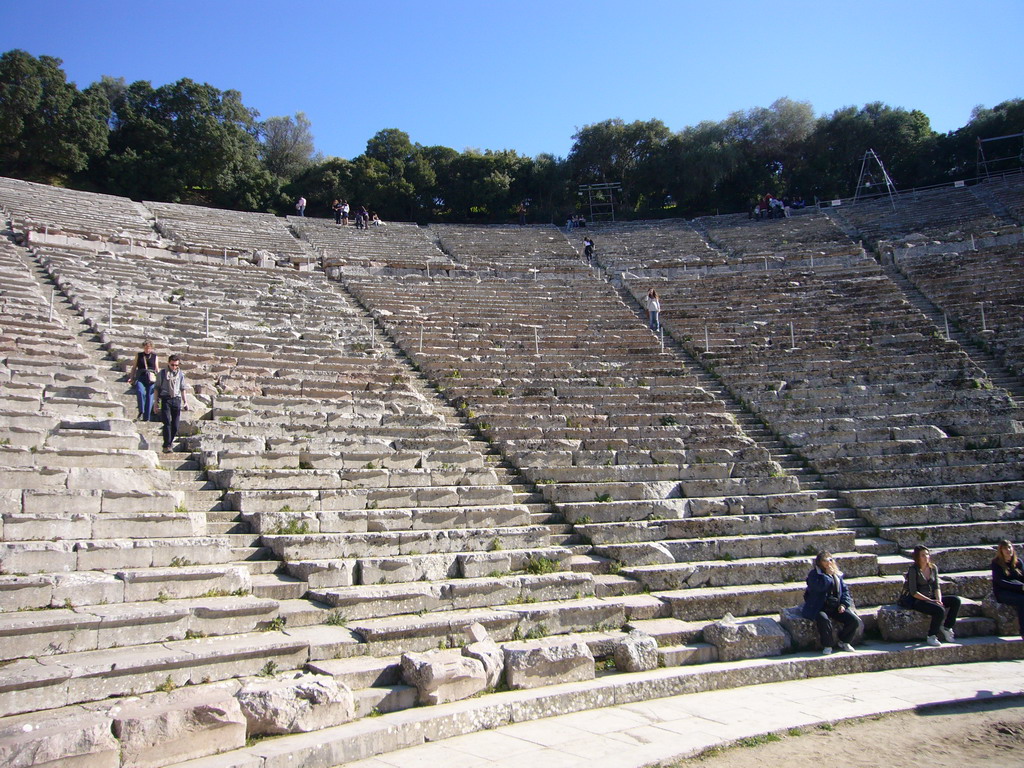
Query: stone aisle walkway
660 730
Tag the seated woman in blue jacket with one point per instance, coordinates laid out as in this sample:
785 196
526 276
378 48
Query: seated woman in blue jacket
827 599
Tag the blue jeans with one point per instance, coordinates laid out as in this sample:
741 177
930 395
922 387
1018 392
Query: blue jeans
144 397
655 325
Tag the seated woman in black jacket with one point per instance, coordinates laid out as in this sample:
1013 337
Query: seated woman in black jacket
921 592
1008 580
826 599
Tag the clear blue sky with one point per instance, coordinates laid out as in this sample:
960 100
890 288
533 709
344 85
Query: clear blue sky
525 75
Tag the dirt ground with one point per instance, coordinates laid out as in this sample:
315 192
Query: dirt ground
961 736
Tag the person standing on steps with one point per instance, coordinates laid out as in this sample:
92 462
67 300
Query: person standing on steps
827 600
588 250
170 387
300 206
653 310
142 378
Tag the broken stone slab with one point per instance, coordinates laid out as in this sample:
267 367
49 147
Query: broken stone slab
321 574
487 652
637 652
72 736
164 728
441 676
747 638
297 703
388 570
548 661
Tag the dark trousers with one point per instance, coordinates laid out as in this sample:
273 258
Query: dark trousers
950 609
850 622
1016 599
170 413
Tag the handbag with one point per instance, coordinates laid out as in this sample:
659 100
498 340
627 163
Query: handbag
148 377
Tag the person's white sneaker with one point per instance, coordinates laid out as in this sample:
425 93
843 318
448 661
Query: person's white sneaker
826 651
947 634
933 641
846 647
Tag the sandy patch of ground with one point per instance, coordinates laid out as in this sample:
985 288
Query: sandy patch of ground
985 733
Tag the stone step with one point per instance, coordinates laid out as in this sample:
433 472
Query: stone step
62 630
278 586
395 543
699 527
712 603
345 572
72 678
379 601
728 548
739 573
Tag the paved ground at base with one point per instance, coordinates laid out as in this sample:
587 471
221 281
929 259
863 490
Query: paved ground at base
662 730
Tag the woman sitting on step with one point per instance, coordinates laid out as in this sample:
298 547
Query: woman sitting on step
827 599
1008 580
921 592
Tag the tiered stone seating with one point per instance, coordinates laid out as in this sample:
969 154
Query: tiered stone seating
885 409
949 214
398 527
1007 191
654 247
216 232
971 284
395 246
804 239
99 549
376 503
85 215
510 249
647 465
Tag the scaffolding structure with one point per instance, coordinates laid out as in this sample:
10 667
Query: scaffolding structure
1012 160
601 200
874 180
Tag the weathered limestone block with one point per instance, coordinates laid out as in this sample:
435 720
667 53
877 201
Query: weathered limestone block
637 652
747 638
443 676
1004 615
74 737
296 704
182 725
536 663
324 573
900 624
486 651
391 570
804 632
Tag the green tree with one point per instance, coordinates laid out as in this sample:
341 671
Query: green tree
48 128
286 146
957 152
614 151
902 139
188 142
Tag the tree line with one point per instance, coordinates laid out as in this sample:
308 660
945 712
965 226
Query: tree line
193 143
